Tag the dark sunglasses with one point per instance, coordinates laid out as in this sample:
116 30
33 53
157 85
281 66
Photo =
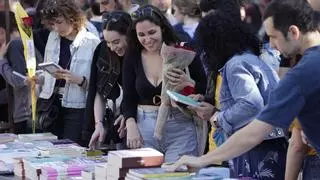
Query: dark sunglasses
145 11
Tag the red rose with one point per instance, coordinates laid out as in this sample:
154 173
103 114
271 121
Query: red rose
27 21
188 90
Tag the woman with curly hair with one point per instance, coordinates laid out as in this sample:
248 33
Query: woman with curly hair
244 87
71 46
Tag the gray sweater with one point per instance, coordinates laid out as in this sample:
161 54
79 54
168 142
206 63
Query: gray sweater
21 98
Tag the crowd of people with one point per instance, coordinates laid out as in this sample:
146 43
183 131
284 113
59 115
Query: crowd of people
254 115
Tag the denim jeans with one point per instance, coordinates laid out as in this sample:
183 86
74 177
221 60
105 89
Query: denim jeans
179 136
311 168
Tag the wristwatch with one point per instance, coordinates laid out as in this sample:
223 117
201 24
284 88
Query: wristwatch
214 120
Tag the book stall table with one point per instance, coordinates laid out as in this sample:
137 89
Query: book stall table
43 157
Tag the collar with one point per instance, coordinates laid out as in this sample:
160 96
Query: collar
78 40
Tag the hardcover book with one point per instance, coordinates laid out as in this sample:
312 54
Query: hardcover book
144 157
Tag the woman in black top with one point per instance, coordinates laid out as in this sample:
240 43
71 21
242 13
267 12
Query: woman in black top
105 79
142 85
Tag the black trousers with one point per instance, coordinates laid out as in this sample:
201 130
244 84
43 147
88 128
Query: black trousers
69 123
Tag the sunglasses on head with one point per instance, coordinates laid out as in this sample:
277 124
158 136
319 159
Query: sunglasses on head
145 11
50 10
112 17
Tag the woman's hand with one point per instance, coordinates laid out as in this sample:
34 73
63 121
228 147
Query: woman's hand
122 129
68 76
204 111
97 136
179 79
134 138
3 49
189 161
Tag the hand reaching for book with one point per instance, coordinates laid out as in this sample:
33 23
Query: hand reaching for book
191 162
97 136
134 138
122 129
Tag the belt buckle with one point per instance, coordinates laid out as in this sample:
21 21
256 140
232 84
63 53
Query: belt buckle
156 100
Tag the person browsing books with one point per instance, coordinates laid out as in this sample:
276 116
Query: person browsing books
297 94
246 82
71 46
105 81
142 84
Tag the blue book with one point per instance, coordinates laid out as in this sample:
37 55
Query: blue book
183 99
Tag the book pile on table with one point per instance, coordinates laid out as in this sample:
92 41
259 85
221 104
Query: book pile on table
119 162
155 174
58 167
7 137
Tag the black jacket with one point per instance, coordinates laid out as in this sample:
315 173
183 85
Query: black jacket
104 80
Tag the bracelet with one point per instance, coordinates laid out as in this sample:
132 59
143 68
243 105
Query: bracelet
83 81
98 122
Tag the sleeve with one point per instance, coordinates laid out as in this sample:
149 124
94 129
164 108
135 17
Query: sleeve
88 127
15 62
3 96
247 97
285 103
198 75
130 95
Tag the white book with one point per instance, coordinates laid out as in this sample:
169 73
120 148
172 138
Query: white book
50 67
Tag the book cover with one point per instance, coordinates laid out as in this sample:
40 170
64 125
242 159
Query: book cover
144 157
36 137
156 173
7 137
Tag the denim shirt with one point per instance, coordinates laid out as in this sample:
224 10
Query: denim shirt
246 84
82 50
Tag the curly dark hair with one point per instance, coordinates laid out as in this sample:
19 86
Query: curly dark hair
154 15
222 36
64 8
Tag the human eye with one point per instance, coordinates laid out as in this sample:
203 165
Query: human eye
151 32
141 34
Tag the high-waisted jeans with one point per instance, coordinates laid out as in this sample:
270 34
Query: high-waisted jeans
179 134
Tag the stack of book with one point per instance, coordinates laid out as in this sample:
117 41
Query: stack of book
119 162
36 137
212 173
58 167
64 149
155 174
7 137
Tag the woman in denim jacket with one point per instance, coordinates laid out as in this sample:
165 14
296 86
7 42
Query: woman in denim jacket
105 82
71 46
246 83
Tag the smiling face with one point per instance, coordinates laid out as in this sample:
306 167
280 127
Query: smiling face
62 27
288 46
149 35
115 41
